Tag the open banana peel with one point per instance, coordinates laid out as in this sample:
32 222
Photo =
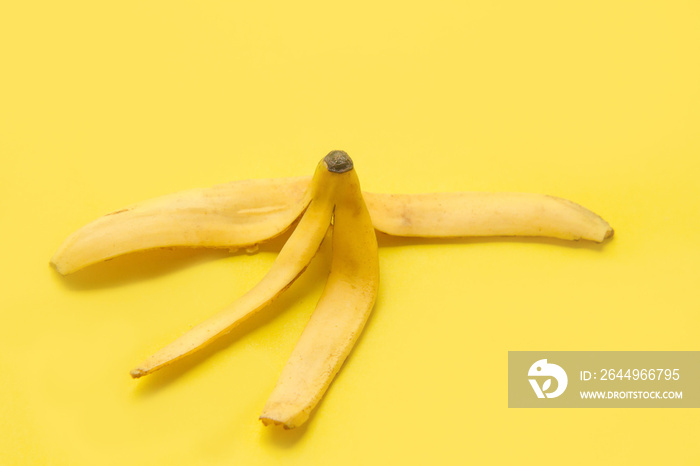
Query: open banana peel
243 214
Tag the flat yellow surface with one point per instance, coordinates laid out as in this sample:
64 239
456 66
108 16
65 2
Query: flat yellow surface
103 104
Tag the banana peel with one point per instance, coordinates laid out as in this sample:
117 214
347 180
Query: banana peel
246 213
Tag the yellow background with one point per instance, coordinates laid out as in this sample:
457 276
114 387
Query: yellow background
103 104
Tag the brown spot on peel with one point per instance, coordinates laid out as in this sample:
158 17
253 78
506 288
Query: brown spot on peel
117 212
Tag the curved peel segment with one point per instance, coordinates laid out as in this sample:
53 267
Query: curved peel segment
445 215
231 215
340 315
289 264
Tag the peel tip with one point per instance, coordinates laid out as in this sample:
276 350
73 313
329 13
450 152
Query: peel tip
56 267
137 373
268 421
610 233
65 267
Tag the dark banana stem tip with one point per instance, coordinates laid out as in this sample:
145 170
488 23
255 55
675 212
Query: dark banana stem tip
338 161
